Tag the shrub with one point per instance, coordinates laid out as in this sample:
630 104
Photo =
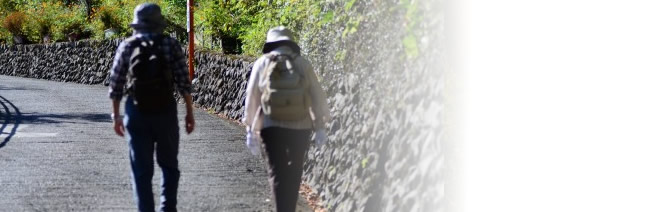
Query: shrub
107 17
104 18
243 22
248 21
42 19
5 35
118 14
227 20
71 24
15 22
176 16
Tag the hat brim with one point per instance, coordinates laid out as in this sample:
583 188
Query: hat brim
269 46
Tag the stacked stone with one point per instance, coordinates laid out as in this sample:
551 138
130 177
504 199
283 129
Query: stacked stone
385 152
220 83
85 62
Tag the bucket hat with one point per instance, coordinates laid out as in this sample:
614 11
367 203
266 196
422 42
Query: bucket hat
147 16
279 36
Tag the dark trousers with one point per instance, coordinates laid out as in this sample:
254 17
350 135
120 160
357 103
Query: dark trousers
285 150
146 134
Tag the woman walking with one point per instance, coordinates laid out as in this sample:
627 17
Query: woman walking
285 103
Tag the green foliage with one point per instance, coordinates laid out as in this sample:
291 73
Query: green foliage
349 4
364 162
175 3
293 14
43 17
118 14
327 18
176 16
4 35
7 6
351 26
51 19
60 19
214 18
227 18
246 21
413 18
410 44
71 24
340 55
123 14
105 17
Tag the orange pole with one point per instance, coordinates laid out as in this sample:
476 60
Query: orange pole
190 30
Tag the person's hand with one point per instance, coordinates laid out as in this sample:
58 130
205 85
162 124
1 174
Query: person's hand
118 126
189 123
253 142
320 137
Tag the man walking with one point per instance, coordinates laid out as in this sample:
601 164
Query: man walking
147 67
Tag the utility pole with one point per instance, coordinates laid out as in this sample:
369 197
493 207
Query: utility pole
190 37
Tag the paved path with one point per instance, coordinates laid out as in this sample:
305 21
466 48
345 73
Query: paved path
58 153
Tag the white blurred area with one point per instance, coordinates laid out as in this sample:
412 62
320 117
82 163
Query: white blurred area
549 106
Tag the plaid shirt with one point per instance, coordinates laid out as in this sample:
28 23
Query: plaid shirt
172 52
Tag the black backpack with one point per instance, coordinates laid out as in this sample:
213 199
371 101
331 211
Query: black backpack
150 78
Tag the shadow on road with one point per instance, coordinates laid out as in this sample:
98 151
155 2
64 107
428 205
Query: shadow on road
39 118
16 117
10 115
2 87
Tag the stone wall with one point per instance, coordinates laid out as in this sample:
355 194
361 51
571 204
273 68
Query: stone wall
220 85
84 62
384 82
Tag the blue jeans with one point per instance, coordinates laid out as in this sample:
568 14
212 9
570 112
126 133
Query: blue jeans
144 133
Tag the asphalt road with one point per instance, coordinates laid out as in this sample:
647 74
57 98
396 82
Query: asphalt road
58 152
